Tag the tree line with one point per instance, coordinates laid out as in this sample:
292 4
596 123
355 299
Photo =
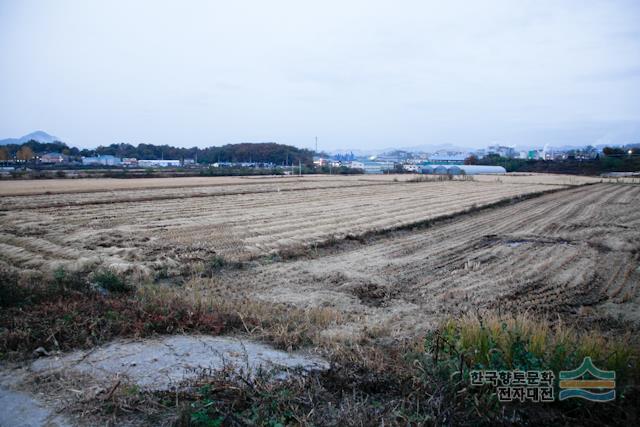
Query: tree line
613 159
266 152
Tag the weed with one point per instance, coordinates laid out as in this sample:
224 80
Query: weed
216 264
82 320
523 342
111 282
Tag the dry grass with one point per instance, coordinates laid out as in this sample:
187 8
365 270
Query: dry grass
524 340
145 237
394 383
368 305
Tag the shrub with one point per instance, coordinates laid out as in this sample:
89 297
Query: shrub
111 282
215 264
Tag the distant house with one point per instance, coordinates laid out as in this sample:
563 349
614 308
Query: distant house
104 160
377 167
159 163
54 158
356 165
129 162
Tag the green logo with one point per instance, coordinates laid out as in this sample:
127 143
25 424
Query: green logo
581 381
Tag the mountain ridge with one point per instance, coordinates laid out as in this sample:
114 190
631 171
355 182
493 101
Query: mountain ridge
39 135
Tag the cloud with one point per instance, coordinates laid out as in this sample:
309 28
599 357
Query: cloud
358 74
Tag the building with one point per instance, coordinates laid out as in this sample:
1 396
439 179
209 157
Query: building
463 170
427 170
502 151
377 167
356 165
533 155
129 162
54 158
410 168
482 170
158 163
104 160
448 157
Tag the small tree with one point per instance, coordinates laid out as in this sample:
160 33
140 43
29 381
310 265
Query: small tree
471 160
613 151
25 153
4 154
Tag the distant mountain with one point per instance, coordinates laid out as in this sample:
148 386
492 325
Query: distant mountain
432 148
38 135
426 148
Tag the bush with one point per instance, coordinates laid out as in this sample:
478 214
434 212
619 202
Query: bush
111 282
214 265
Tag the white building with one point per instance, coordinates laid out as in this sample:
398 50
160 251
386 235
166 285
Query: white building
158 163
356 165
104 160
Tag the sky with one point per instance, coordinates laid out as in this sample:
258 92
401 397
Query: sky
356 74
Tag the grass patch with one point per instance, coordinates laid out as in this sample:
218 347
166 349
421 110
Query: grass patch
524 342
372 380
111 282
63 312
418 382
25 288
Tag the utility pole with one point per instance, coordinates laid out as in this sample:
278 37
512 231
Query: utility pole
316 145
299 167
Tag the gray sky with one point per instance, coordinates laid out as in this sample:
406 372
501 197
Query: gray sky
358 74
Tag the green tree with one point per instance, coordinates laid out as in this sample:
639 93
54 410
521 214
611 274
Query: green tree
613 151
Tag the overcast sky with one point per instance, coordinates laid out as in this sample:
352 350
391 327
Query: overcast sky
358 74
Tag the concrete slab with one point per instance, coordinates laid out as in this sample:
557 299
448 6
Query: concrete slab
162 363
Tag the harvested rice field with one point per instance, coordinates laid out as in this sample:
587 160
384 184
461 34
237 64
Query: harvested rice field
160 301
172 230
391 248
574 252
